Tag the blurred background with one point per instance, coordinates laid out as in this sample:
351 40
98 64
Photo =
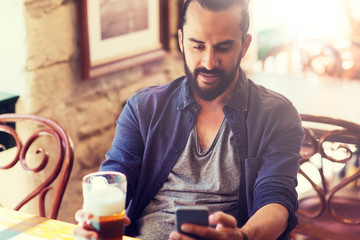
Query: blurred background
41 62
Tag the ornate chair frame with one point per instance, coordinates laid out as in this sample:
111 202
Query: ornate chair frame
344 133
63 164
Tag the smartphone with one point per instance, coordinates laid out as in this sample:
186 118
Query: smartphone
191 214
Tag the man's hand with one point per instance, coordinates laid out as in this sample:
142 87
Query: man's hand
83 231
226 228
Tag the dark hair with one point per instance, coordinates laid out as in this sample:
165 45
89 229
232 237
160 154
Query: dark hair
219 5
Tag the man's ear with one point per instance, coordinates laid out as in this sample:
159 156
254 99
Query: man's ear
246 44
180 40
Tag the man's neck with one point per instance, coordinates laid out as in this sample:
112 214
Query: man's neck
211 116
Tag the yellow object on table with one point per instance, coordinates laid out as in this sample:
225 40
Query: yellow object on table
19 225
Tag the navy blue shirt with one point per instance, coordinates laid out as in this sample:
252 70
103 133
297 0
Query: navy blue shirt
154 126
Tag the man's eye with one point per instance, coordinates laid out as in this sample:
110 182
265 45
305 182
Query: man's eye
198 47
223 48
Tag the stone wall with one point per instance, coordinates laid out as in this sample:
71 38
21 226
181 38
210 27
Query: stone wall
87 109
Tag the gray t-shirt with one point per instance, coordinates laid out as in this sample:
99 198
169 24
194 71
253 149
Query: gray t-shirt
208 178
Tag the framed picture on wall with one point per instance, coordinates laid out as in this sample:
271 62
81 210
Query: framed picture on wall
118 34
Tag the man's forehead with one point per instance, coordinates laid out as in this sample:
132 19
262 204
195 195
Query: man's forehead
225 23
195 10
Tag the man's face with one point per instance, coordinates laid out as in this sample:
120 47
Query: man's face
212 49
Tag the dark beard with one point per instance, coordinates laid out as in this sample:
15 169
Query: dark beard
210 94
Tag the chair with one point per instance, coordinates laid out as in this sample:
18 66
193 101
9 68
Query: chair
329 180
45 129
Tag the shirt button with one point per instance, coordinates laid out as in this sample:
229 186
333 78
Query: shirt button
158 184
176 150
189 118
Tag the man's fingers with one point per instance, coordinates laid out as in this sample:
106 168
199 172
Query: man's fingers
127 221
223 220
201 231
196 230
81 233
226 228
178 236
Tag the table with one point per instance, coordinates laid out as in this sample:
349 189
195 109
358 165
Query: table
18 225
317 96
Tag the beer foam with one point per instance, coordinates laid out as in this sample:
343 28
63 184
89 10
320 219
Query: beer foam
104 200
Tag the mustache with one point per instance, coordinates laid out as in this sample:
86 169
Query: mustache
214 71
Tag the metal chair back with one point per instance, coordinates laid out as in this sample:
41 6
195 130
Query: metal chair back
61 167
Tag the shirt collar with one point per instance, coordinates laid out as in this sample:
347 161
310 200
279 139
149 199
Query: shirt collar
186 96
240 99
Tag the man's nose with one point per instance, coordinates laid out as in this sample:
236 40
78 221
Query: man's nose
209 59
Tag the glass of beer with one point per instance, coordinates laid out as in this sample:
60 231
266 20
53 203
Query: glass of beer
104 203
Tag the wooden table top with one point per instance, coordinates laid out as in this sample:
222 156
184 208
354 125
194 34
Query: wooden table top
18 225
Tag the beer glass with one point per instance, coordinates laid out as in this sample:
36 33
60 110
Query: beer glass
104 196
